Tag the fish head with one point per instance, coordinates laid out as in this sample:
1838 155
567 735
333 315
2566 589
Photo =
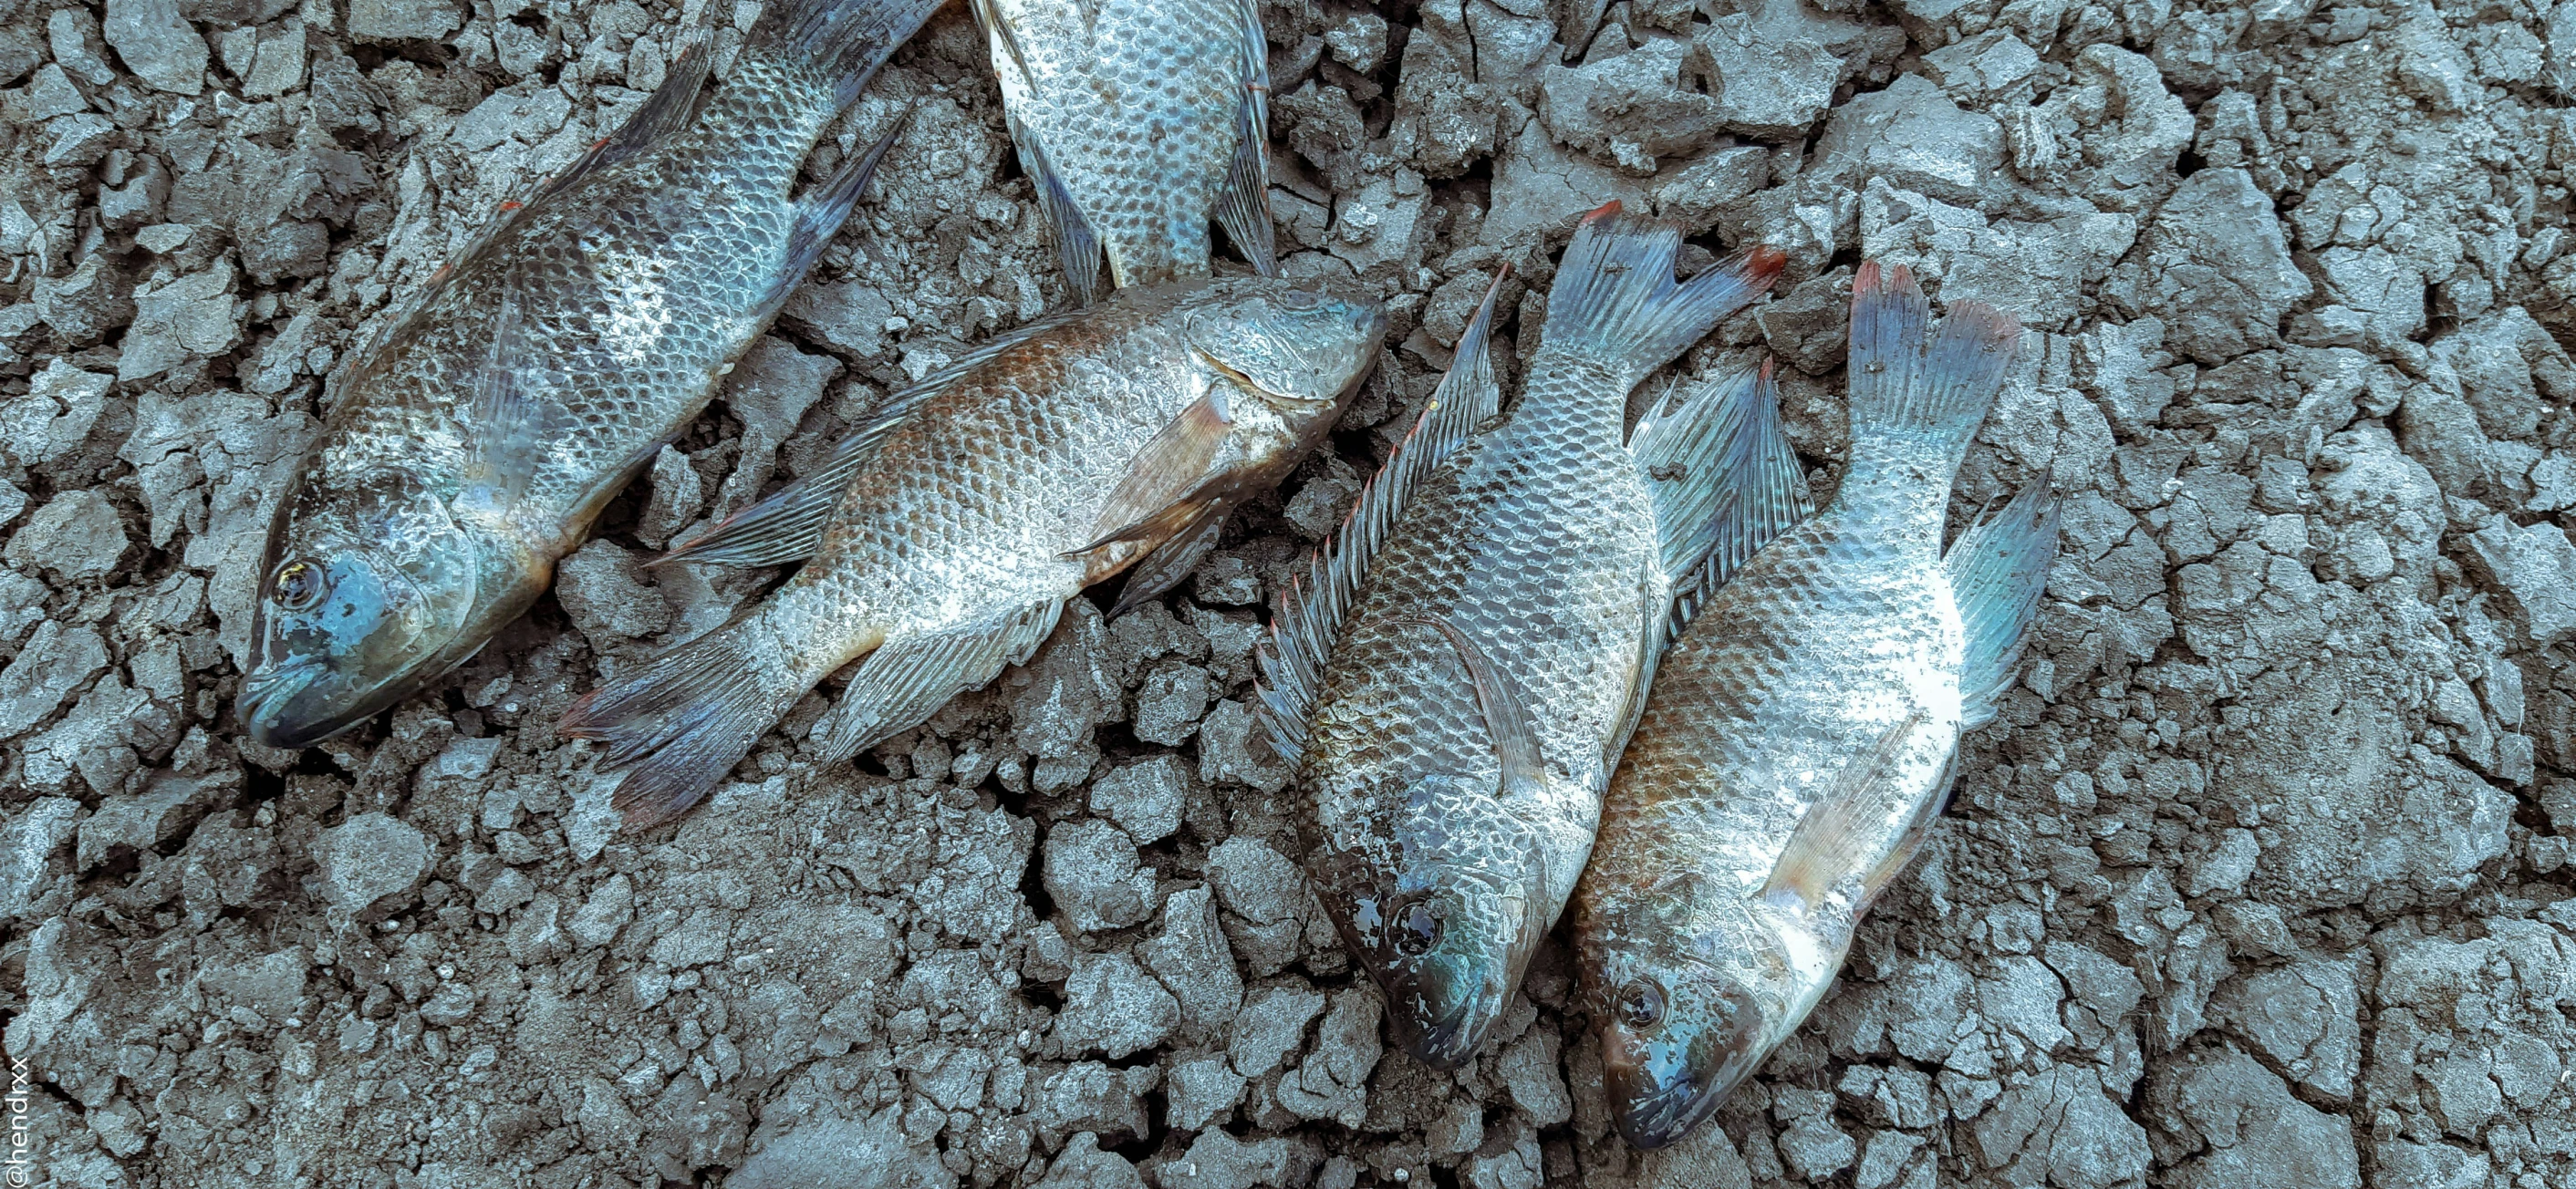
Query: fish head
368 590
1448 932
1688 1007
1299 348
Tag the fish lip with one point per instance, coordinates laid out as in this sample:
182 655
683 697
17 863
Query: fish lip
1660 1117
1446 1043
270 698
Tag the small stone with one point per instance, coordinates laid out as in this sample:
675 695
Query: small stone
192 317
1913 136
1200 1092
161 239
404 20
828 1150
49 94
158 44
1145 798
1091 871
1194 962
1698 193
1170 702
1082 1165
1113 1007
1271 1025
602 591
56 665
369 858
2536 566
77 536
27 843
1217 1160
289 248
73 34
1267 894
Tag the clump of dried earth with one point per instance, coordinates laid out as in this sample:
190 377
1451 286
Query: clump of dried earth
2263 879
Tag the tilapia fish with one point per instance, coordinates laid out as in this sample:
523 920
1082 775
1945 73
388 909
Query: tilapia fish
1138 121
472 444
951 529
1798 743
1462 668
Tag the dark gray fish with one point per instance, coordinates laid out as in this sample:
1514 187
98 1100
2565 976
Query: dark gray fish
1798 742
1456 680
472 443
952 528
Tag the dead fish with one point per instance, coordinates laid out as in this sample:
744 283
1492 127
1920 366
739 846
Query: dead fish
1798 743
472 443
1138 121
1461 669
954 525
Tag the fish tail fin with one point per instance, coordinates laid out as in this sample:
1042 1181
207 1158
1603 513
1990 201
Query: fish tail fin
683 720
1616 304
1997 570
1917 384
841 42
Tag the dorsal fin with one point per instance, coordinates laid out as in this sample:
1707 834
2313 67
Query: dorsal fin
1310 613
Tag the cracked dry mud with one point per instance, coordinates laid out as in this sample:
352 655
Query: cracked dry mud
2265 877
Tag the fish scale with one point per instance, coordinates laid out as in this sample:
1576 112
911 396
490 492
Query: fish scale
472 440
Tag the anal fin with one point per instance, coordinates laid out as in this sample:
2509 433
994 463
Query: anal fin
909 678
1997 570
818 216
1724 478
1243 207
1076 245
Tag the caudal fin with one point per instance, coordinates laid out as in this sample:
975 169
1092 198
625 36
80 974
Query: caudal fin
1615 303
684 719
841 41
1997 570
1912 381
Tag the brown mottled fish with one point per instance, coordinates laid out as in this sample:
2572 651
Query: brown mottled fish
1798 743
472 443
951 529
1462 670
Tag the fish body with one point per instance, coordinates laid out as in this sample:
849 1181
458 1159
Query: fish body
472 443
1463 669
1054 457
1800 735
1139 121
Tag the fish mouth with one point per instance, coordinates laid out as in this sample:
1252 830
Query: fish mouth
1650 1116
1448 1042
288 705
1446 1036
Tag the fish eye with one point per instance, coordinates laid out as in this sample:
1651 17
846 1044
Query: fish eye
1640 1004
1417 929
299 585
1300 299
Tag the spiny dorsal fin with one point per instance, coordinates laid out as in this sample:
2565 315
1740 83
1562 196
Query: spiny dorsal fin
1819 854
1310 613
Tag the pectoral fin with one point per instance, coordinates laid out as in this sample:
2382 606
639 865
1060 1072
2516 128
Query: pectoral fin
1822 850
1167 484
508 423
1171 561
1507 717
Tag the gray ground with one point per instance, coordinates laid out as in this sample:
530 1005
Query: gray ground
2264 880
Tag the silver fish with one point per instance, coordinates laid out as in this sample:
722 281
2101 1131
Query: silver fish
1138 121
1798 743
1463 667
951 529
470 445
